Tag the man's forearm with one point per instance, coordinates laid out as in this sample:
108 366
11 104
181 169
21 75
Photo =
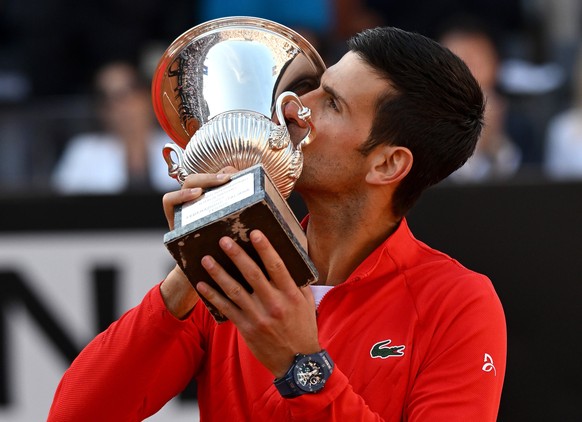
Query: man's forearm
112 376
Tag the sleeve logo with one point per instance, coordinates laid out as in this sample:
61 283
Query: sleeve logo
488 365
382 350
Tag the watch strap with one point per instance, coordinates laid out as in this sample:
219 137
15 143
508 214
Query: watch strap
287 386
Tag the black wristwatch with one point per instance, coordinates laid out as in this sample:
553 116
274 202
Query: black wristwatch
307 374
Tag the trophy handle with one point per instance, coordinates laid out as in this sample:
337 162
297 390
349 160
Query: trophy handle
175 170
304 114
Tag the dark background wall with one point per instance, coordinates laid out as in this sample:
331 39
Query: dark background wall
525 237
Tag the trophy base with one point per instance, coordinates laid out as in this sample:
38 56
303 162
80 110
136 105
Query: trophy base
249 201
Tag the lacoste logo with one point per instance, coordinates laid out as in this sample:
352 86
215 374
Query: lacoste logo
488 365
383 351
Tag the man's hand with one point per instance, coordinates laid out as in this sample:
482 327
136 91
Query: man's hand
177 292
193 188
278 319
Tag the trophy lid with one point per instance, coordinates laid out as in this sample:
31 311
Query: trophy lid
232 63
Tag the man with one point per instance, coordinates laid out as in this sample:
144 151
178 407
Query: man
124 154
403 332
497 155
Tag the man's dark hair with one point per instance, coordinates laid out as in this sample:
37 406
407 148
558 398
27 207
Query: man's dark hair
434 107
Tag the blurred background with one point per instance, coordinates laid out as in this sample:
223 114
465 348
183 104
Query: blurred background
81 175
54 84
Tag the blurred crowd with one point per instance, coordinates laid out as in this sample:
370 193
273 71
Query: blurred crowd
76 114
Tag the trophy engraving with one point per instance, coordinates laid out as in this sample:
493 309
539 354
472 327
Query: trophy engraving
216 92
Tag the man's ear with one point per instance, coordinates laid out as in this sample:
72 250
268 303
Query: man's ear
389 164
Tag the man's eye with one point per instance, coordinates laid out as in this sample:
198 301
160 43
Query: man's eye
332 104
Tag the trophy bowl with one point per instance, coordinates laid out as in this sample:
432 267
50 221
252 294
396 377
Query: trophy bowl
217 89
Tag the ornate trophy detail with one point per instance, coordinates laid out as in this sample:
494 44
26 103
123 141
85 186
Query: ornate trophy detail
217 88
219 92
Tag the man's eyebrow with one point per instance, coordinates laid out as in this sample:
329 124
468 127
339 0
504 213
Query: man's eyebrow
332 92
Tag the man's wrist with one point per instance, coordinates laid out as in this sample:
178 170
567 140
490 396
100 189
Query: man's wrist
307 374
178 294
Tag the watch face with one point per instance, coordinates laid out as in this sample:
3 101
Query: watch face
309 376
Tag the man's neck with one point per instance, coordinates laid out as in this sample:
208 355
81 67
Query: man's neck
340 239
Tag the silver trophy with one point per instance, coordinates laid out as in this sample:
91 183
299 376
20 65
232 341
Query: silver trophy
219 93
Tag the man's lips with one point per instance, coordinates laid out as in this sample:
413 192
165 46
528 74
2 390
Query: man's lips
297 133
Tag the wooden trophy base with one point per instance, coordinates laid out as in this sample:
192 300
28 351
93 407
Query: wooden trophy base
247 202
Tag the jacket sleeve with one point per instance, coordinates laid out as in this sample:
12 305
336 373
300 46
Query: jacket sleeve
113 378
339 403
461 374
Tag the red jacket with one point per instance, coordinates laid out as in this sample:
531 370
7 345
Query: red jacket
414 336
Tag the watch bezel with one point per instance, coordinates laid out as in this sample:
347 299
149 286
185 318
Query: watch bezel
324 366
288 385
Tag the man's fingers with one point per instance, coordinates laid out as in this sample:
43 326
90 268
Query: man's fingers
236 296
206 180
193 188
273 263
171 199
222 304
277 273
228 170
249 269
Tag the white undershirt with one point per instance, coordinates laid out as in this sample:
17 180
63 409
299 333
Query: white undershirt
319 292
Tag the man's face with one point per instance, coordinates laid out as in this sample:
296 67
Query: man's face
123 105
342 111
